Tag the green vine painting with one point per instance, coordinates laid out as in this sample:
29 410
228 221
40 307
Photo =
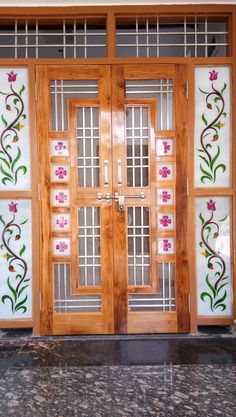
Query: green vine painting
18 280
216 279
12 118
209 154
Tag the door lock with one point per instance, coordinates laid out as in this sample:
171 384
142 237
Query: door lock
120 199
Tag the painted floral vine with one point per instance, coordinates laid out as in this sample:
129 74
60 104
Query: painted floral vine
10 153
210 167
216 279
17 282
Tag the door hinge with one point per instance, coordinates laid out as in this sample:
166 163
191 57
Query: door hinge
40 301
186 90
36 91
189 302
39 192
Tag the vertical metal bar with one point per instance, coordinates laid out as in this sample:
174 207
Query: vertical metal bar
185 38
169 281
158 38
93 246
85 38
167 105
206 47
161 103
147 37
141 145
37 38
64 38
57 272
163 286
133 153
142 231
74 37
62 106
85 247
15 39
195 37
84 150
55 105
65 286
92 143
136 33
26 39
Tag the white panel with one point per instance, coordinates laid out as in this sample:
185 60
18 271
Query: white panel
212 127
213 256
16 259
14 130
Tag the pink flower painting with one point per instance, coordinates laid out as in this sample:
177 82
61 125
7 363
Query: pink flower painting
166 245
60 147
11 77
12 207
165 196
61 197
61 222
211 205
61 173
166 147
165 221
164 172
62 246
213 75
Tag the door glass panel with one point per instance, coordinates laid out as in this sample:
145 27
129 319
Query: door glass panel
87 135
138 246
89 246
137 134
162 91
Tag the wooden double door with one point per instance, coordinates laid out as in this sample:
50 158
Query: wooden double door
113 198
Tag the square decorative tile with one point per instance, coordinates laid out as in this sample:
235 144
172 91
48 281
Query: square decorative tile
164 147
61 222
60 172
165 221
165 196
61 247
165 172
166 246
60 198
59 147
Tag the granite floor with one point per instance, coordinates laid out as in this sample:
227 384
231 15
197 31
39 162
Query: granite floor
118 377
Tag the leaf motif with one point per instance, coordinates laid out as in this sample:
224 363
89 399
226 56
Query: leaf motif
217 99
208 228
204 119
201 244
7 174
203 178
7 297
223 306
221 299
223 89
220 166
204 295
202 91
2 221
21 303
224 218
22 90
204 159
22 308
22 289
22 250
201 218
15 101
208 174
4 121
215 157
208 146
12 289
5 162
218 263
21 168
25 221
4 180
210 286
222 286
16 159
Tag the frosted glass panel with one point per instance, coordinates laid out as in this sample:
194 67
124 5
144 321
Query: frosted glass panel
213 256
16 259
14 130
212 127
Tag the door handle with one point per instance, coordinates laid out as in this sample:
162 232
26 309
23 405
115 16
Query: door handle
119 173
106 179
120 199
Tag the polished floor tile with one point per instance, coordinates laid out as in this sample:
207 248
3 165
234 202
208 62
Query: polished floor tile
110 377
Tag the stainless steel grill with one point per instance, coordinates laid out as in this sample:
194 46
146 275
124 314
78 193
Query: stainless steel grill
158 37
64 39
64 302
165 300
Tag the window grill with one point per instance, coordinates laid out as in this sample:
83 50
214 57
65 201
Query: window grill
65 39
171 37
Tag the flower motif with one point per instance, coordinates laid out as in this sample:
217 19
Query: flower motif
11 269
165 196
61 246
213 75
209 106
211 205
165 221
166 147
12 207
166 245
60 147
219 125
11 77
61 222
215 138
17 237
61 173
61 197
210 265
164 172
